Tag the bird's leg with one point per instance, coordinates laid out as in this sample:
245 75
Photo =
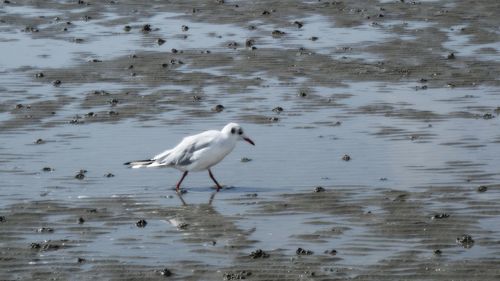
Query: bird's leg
212 176
178 187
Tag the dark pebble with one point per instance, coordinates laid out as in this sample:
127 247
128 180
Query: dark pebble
141 223
302 94
314 38
78 40
92 211
75 121
160 41
36 246
50 247
274 119
245 160
45 230
346 157
174 61
113 101
81 220
182 225
278 109
184 28
19 106
56 83
233 45
299 24
218 108
482 188
451 56
80 175
266 13
39 75
174 51
101 93
166 272
81 260
438 252
465 241
319 189
249 43
332 252
146 28
236 275
2 219
47 169
30 29
304 252
259 254
127 28
277 33
440 216
39 141
488 116
109 175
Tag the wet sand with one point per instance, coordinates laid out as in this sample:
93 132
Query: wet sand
376 124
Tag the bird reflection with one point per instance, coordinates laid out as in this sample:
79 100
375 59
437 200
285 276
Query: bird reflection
202 223
210 200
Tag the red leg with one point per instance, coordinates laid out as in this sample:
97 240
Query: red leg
212 176
178 188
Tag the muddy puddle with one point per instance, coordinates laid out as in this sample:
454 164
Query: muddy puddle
376 127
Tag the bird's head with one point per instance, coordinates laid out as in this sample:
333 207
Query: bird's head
235 131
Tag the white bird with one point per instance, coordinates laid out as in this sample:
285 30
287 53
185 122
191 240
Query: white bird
197 152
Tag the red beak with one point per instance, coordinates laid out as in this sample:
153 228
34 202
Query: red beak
249 141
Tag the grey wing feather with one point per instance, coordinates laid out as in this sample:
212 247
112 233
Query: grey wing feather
183 153
187 154
162 155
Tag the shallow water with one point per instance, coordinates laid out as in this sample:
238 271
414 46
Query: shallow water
417 147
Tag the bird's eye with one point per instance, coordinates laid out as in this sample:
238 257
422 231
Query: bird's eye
240 132
233 130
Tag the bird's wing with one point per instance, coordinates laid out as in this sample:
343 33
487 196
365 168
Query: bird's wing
162 155
182 154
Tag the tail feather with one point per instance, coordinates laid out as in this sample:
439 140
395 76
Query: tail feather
139 163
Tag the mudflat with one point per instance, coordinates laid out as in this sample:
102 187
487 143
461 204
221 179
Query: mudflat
376 127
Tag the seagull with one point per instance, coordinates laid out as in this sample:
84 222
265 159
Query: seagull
197 152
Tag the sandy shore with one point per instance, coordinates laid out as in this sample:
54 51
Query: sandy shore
376 124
